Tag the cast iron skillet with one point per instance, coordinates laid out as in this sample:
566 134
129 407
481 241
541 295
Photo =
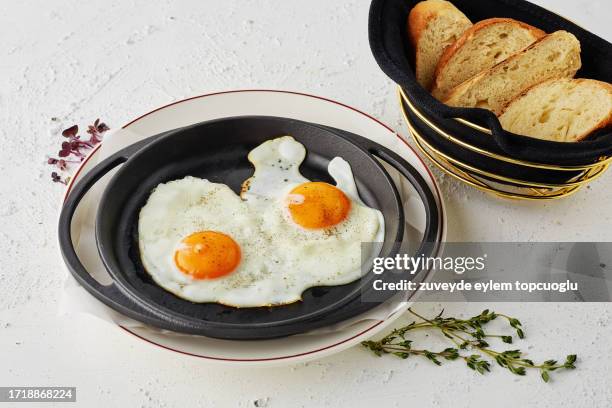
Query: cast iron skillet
217 150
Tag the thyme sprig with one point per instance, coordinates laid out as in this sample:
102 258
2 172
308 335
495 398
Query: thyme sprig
470 345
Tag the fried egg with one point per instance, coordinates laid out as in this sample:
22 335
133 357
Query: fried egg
200 241
281 236
317 227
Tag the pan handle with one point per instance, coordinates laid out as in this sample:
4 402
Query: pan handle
431 234
108 294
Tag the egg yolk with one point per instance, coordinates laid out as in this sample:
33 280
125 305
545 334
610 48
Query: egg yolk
315 205
207 255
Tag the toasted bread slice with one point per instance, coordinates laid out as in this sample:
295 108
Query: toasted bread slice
480 47
555 55
561 110
432 26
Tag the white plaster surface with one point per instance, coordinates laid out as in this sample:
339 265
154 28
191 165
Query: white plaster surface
76 60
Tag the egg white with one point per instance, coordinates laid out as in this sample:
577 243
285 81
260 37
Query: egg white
179 208
280 259
330 256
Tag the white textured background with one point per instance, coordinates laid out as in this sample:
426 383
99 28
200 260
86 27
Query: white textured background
76 60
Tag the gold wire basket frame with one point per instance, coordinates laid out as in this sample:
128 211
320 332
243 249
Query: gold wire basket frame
501 186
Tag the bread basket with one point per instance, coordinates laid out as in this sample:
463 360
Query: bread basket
469 143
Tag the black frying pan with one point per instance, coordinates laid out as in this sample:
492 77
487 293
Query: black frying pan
217 150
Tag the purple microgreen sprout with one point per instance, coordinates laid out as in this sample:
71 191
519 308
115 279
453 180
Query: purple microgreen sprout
75 149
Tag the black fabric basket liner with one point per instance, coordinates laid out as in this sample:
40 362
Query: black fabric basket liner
392 50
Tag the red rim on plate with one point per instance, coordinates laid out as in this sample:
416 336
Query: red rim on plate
437 191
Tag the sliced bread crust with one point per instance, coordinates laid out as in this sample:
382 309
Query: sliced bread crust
561 110
480 47
555 55
432 26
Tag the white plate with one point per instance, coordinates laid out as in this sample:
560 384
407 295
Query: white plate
274 103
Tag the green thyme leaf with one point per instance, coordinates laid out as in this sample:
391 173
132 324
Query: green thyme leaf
466 334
